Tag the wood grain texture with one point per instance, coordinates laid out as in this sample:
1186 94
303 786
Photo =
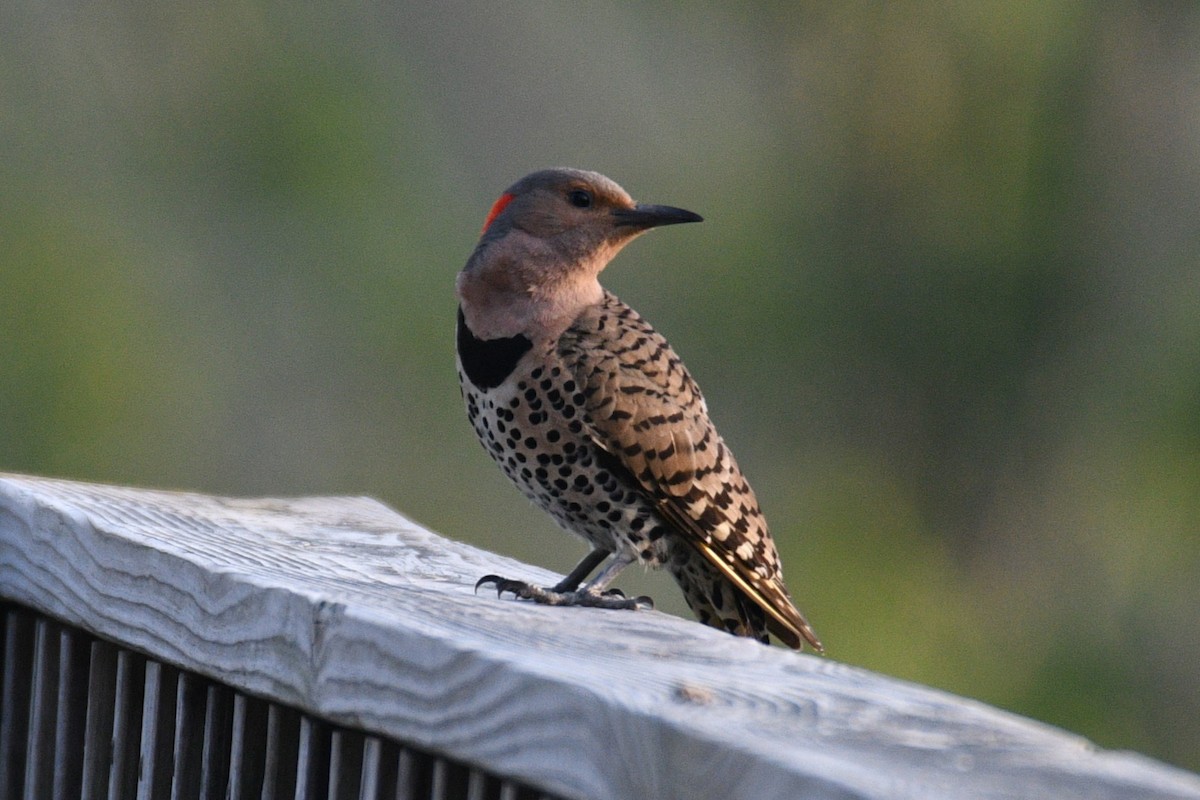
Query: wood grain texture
344 608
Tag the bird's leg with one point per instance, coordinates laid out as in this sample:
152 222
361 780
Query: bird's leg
607 575
584 568
565 593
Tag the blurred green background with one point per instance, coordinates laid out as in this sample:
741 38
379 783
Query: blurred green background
945 305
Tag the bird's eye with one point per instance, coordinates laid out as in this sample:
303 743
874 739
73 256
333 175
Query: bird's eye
580 198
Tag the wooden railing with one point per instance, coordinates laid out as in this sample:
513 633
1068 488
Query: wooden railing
162 644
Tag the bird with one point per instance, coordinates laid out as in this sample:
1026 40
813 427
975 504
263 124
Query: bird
588 410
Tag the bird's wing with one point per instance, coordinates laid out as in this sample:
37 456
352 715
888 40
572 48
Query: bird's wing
644 409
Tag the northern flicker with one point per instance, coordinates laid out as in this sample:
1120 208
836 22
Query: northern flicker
592 415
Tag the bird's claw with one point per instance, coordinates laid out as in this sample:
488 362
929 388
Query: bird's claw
642 601
503 585
639 603
612 598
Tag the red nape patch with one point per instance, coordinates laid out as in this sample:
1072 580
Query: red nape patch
497 207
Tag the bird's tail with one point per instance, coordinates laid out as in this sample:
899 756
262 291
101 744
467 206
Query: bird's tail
717 602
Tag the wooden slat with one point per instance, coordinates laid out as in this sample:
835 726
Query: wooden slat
158 731
477 786
345 765
127 725
15 700
372 777
273 757
101 710
282 745
313 760
43 713
407 778
71 725
218 736
344 609
439 789
351 766
381 762
450 781
188 745
247 759
148 764
240 773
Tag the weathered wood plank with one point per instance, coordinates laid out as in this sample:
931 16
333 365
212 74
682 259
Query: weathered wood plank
341 607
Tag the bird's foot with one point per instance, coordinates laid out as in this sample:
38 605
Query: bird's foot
613 598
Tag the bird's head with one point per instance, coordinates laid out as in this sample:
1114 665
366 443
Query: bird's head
543 245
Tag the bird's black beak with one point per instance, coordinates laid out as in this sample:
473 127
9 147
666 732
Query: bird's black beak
647 216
